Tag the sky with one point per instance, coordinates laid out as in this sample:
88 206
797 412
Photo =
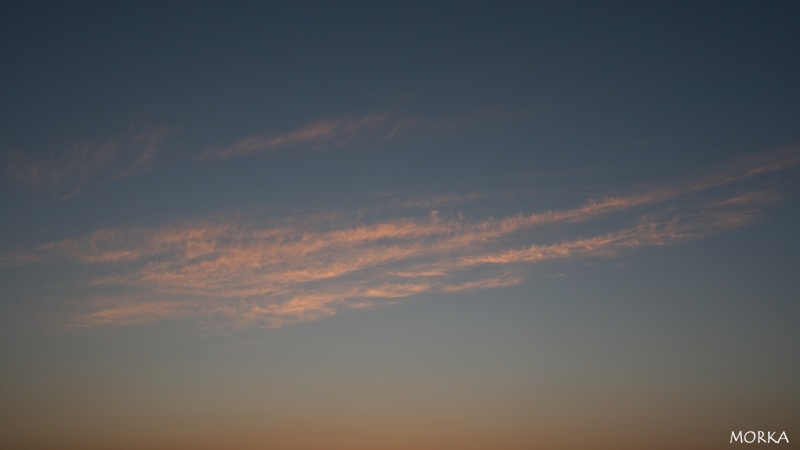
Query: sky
393 225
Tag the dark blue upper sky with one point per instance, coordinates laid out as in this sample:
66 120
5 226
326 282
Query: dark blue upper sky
205 65
656 86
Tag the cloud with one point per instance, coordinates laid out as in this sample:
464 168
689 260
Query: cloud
146 144
271 273
65 175
337 131
439 200
649 233
129 310
317 132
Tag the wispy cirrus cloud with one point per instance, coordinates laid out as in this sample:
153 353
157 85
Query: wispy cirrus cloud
67 173
322 131
254 273
439 200
337 131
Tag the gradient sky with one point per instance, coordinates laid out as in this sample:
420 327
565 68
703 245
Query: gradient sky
385 226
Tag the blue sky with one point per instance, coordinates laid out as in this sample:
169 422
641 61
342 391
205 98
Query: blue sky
385 226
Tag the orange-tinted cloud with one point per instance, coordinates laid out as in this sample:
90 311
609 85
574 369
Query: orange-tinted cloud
316 132
128 310
337 131
439 200
246 272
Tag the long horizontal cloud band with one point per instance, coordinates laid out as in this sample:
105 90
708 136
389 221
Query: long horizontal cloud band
245 273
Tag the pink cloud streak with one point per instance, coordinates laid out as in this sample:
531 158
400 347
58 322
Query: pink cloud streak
245 273
320 131
339 130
